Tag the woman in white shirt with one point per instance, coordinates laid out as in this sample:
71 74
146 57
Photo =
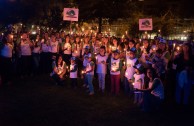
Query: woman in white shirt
59 70
26 46
67 50
153 96
45 59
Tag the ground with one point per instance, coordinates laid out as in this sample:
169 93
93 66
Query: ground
37 101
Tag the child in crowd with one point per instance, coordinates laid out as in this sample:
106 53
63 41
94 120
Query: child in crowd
158 64
73 72
101 59
89 71
138 83
85 61
59 70
115 65
131 61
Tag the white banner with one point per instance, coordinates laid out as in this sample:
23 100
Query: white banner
145 24
70 14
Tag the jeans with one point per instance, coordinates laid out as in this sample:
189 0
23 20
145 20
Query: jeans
89 79
101 79
185 90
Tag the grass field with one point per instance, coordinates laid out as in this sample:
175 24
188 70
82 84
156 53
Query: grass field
37 101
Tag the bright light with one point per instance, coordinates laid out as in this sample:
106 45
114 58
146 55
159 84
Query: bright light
33 32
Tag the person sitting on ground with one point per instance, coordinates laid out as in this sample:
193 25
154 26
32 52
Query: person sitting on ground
59 70
153 96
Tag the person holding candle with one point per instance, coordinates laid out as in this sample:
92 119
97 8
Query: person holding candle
165 53
130 61
101 70
85 61
138 83
67 50
45 55
153 95
84 44
59 70
145 49
76 47
115 66
25 47
89 72
73 72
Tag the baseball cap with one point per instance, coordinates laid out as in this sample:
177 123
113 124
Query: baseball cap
133 49
139 67
162 41
87 47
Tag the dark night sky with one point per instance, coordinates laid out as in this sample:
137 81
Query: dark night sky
16 10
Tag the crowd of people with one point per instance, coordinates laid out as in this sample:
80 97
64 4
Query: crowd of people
140 66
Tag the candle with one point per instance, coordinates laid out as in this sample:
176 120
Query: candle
126 32
124 63
67 68
113 69
178 48
174 44
83 72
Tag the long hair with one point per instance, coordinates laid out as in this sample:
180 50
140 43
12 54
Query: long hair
147 79
58 60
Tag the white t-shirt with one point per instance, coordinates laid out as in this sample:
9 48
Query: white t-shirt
67 47
36 49
25 48
54 47
45 47
130 71
115 66
101 68
139 81
89 67
73 74
77 50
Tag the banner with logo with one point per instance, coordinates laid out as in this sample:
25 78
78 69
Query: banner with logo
145 24
70 14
